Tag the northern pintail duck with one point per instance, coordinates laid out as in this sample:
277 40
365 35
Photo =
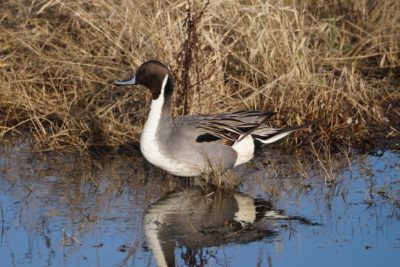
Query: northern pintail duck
196 144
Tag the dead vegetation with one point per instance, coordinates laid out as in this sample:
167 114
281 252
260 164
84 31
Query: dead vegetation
334 62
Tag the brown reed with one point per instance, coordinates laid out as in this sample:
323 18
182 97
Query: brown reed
335 63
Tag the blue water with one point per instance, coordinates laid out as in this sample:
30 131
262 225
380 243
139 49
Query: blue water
72 210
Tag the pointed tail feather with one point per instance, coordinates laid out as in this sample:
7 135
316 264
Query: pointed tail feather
271 135
265 117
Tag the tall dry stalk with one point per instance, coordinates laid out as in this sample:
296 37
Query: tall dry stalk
189 55
336 62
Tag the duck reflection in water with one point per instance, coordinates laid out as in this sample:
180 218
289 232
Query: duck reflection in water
195 218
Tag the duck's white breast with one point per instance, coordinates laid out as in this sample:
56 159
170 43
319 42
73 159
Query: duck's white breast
151 147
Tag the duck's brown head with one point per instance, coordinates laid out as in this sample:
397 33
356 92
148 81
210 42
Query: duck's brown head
154 75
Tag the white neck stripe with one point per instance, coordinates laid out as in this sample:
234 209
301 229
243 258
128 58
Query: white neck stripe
149 145
164 83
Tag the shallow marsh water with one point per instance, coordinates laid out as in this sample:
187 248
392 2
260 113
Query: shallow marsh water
71 210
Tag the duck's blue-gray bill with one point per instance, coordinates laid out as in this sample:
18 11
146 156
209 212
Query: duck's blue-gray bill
130 81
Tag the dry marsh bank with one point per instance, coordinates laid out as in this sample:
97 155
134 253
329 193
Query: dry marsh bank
336 63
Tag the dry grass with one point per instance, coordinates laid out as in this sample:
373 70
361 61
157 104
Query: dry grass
335 62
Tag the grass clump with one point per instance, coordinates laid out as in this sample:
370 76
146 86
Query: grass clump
334 62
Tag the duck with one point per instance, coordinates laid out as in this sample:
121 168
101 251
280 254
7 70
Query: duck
193 145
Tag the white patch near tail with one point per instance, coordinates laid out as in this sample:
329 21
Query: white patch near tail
275 137
273 214
244 149
246 209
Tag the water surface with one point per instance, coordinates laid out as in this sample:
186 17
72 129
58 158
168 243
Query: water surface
75 210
